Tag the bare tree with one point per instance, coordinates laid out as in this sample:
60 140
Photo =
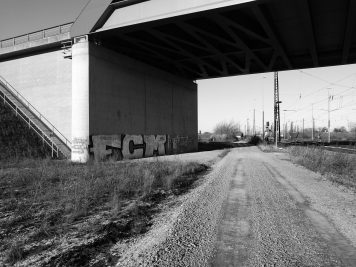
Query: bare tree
228 128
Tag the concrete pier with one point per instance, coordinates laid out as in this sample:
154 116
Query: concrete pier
80 100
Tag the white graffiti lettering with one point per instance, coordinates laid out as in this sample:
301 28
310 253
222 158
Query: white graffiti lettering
79 145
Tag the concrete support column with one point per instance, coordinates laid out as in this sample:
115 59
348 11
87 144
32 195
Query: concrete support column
80 99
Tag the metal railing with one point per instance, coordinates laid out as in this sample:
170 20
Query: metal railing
38 35
42 118
50 143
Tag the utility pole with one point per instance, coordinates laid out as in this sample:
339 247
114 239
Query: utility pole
312 122
291 129
303 130
263 111
254 122
329 99
263 125
277 130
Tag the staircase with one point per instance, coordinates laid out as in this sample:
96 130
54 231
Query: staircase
59 144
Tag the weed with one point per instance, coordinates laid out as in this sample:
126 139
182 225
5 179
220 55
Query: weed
15 252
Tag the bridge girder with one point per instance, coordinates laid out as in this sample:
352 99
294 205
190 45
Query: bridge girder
254 37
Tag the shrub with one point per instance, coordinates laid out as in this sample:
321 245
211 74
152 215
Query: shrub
255 140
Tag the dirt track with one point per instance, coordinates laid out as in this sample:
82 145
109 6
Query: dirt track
254 209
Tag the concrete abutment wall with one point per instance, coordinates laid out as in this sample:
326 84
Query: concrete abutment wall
126 109
45 80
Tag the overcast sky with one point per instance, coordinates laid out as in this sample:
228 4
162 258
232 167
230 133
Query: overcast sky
224 99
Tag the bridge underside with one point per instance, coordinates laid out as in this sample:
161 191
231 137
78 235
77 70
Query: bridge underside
254 37
126 104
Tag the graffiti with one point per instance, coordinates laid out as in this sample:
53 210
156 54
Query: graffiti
120 146
128 146
79 145
104 145
132 147
155 144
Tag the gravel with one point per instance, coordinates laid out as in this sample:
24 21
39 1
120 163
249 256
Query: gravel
278 214
253 209
185 236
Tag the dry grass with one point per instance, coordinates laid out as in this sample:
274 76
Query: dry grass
338 167
74 189
16 252
49 196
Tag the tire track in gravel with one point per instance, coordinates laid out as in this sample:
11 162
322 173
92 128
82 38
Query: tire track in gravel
234 228
339 244
267 222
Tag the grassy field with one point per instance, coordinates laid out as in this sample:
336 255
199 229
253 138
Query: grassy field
56 212
337 167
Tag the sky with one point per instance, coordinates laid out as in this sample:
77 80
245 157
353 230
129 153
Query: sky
225 99
236 98
24 16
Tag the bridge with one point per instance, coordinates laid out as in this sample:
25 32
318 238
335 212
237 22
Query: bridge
122 75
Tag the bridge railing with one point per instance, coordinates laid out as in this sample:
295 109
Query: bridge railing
64 28
35 111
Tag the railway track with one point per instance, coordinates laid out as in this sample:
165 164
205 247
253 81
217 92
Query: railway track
334 146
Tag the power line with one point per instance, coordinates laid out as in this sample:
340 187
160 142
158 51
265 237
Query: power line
329 83
326 86
336 99
326 99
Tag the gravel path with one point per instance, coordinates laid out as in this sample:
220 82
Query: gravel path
186 235
279 214
254 209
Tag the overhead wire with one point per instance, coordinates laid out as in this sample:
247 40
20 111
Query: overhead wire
341 95
329 83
